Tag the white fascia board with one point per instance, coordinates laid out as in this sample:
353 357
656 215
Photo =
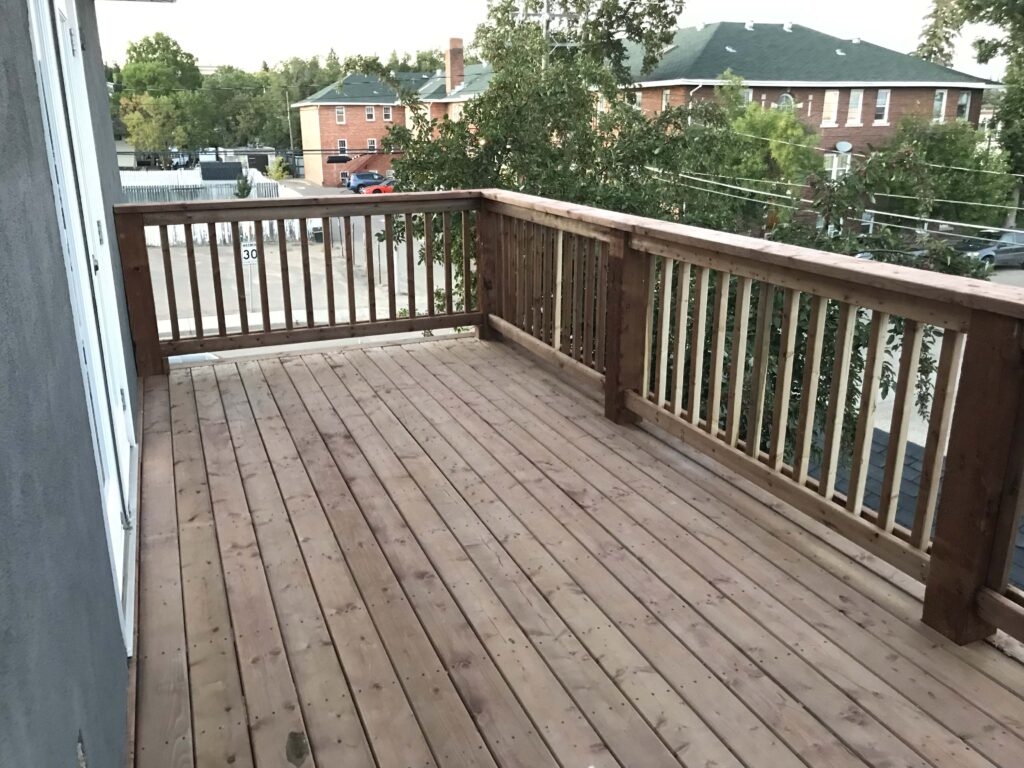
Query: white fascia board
817 84
299 104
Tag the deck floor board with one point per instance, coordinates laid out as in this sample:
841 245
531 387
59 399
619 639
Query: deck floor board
441 554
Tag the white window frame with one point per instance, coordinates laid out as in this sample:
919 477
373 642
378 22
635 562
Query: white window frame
830 120
884 120
371 145
342 146
666 98
339 115
748 95
837 164
966 103
386 113
370 113
941 116
786 100
855 114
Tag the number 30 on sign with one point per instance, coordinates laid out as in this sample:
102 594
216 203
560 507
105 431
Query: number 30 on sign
249 253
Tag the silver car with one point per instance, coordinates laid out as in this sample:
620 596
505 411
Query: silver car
995 248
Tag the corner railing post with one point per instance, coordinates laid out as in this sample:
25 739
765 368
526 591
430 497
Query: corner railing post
626 326
980 502
138 289
486 267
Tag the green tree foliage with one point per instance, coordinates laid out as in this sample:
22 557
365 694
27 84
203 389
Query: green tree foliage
938 38
243 185
279 169
157 65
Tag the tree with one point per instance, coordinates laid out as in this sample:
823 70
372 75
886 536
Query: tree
243 185
938 38
157 65
155 123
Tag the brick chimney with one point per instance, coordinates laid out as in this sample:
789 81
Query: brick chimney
454 65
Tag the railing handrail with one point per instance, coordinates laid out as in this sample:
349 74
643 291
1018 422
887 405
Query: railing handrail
202 211
962 292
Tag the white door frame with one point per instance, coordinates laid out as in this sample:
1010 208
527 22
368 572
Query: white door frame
78 199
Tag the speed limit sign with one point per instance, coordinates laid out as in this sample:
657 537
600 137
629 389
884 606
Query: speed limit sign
250 255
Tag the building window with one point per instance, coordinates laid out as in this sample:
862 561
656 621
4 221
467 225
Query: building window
830 109
455 111
666 99
963 105
856 106
882 107
939 105
837 165
386 116
633 98
342 146
748 95
602 103
339 115
786 101
371 145
371 114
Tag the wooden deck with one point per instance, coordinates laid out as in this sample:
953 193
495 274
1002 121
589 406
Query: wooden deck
439 554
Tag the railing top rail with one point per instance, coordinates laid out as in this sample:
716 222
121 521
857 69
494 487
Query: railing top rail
199 211
962 292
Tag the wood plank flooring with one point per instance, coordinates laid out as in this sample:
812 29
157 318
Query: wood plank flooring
440 554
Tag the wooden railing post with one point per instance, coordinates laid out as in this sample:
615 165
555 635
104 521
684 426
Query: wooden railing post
486 267
980 501
138 289
628 294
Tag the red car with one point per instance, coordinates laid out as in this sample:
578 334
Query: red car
388 185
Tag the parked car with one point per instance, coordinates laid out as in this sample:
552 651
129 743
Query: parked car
388 185
995 247
363 179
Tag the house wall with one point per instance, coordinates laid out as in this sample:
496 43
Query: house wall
309 125
63 671
904 102
356 130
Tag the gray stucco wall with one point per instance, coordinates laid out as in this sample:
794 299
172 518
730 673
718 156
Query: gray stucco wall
62 660
110 178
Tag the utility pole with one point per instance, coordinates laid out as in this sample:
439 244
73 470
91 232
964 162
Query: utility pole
288 116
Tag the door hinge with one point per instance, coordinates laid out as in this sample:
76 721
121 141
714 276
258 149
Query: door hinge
95 265
73 35
99 230
124 401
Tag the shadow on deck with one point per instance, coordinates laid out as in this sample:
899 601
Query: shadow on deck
440 554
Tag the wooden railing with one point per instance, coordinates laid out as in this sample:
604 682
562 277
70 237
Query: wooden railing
218 275
773 359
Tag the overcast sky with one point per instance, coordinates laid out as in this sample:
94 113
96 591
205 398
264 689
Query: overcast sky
244 34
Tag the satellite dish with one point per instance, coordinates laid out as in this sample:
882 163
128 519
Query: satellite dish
843 146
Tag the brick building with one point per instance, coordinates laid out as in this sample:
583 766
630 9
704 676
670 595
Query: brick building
845 90
350 118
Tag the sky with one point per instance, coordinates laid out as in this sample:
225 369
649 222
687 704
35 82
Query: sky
244 34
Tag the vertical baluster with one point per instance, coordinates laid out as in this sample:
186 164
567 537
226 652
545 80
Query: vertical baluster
784 379
193 280
371 278
528 271
538 281
286 289
939 423
545 285
809 389
589 285
664 323
901 411
389 237
261 263
243 310
559 340
350 268
410 264
860 461
521 272
682 309
738 362
218 289
699 333
307 283
446 220
652 271
428 256
467 278
837 400
720 317
600 250
759 371
578 281
329 270
172 303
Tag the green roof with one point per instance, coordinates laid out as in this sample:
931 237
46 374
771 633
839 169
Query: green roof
430 86
787 54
